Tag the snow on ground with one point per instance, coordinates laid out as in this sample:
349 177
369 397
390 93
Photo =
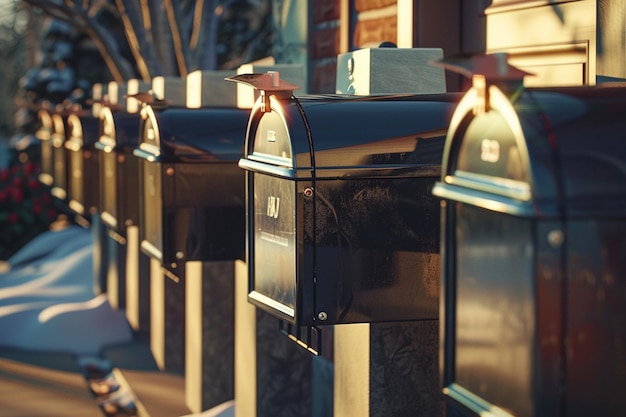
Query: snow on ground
47 302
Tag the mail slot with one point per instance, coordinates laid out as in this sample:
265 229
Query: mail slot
342 224
534 243
84 182
119 169
44 135
191 188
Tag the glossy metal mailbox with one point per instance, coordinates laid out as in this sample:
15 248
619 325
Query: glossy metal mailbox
342 224
534 243
44 135
119 169
84 181
192 190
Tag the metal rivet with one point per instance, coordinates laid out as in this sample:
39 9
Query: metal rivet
322 315
555 238
169 171
308 192
180 255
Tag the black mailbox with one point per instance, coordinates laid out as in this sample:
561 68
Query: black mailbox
59 158
84 182
192 189
44 135
342 224
119 169
534 243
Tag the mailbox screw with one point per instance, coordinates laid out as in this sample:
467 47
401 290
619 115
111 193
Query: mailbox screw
170 171
322 315
180 255
308 192
555 238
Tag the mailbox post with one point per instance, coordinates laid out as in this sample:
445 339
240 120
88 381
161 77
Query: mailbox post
533 227
343 228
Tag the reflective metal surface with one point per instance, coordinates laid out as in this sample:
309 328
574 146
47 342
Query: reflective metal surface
533 317
192 192
339 199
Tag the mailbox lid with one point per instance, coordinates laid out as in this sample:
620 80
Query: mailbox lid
337 136
543 151
192 135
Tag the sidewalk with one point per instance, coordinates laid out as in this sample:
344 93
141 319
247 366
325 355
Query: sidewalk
35 384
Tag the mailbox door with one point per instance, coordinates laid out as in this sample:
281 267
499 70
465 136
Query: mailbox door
108 175
275 200
152 209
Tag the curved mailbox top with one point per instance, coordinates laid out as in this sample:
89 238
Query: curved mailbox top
336 136
542 152
192 135
59 130
83 131
46 126
118 130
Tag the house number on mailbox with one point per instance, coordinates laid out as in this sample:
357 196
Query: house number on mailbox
273 204
490 150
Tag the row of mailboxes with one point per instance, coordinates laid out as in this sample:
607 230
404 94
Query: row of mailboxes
344 224
533 224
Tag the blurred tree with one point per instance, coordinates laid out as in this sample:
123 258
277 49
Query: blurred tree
146 38
13 25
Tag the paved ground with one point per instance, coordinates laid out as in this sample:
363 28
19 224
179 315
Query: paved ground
43 385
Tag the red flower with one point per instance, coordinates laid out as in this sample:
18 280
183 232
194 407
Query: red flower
33 184
17 181
52 213
37 207
13 218
4 195
46 199
30 168
17 194
4 175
